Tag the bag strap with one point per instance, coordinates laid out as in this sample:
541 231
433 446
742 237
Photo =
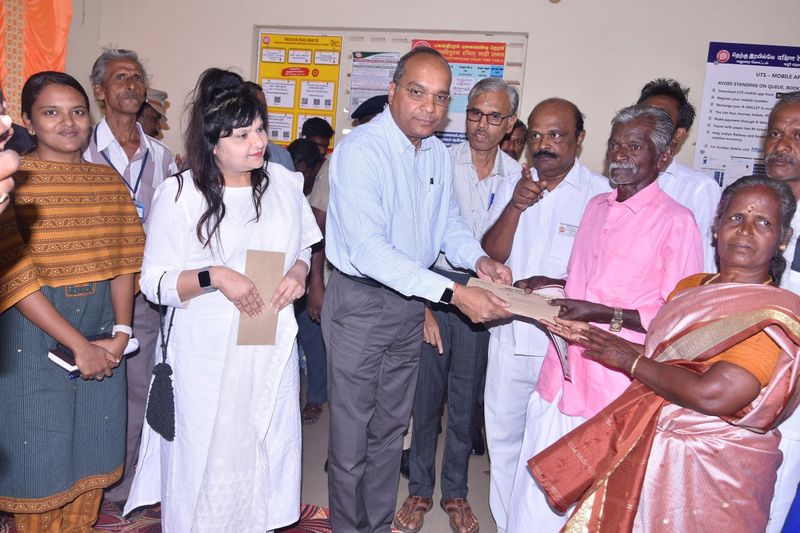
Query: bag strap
164 339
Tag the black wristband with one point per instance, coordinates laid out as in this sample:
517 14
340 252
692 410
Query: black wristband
447 296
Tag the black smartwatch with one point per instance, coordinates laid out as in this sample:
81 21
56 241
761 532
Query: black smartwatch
204 278
447 295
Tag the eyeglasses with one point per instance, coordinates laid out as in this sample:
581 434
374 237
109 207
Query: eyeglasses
439 99
494 119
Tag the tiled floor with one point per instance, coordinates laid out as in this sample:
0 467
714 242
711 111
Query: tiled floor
315 481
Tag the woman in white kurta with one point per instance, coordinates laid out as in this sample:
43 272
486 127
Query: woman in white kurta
234 464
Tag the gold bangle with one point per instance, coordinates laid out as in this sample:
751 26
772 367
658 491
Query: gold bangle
633 366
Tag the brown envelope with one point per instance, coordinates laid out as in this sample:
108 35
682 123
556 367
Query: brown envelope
531 305
265 270
534 305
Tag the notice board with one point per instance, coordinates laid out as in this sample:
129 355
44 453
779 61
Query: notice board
743 83
328 72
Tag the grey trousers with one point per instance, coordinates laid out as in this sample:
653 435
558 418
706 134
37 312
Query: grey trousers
140 370
373 338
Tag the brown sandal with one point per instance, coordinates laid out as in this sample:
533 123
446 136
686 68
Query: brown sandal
411 515
460 513
311 413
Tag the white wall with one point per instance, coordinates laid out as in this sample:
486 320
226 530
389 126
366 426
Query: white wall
597 53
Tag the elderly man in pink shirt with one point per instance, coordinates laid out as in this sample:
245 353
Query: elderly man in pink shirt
633 246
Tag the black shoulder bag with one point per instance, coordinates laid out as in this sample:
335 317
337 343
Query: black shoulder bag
160 414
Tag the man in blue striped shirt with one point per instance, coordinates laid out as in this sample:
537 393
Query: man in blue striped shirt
391 211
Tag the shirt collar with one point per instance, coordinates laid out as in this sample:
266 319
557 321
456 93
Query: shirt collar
105 138
396 135
499 168
463 156
573 177
672 169
638 201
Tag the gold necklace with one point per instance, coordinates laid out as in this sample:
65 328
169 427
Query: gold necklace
715 276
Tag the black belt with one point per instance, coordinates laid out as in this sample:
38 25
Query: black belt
361 279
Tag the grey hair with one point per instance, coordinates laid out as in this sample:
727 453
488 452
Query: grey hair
662 127
401 65
786 98
111 54
491 85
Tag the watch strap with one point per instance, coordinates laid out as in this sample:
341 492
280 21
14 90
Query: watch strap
447 295
204 279
616 320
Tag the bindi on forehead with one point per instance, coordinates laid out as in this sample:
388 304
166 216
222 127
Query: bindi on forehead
750 208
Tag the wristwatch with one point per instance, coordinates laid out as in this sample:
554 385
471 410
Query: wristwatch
204 278
447 295
616 320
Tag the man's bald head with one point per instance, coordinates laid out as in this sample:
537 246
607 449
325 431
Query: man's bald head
561 104
555 132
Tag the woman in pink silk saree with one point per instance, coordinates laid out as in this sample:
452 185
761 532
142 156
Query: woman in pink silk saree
672 454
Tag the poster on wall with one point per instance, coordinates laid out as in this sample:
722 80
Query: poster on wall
299 75
372 72
743 82
470 62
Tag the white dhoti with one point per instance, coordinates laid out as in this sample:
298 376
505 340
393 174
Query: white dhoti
510 382
529 510
788 473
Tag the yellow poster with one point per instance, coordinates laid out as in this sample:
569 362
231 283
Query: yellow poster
300 77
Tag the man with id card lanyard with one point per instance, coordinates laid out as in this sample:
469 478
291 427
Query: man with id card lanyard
119 82
454 354
537 219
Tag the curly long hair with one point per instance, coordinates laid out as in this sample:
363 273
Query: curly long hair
221 102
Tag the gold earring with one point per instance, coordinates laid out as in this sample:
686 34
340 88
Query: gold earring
714 235
782 247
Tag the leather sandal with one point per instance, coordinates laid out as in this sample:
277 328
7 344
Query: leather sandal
411 515
311 413
460 513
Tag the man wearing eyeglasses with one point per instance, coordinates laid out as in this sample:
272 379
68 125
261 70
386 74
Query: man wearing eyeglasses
391 211
454 356
537 218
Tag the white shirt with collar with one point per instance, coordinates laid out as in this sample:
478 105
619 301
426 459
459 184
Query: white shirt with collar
789 471
791 278
158 161
543 242
475 196
392 210
700 194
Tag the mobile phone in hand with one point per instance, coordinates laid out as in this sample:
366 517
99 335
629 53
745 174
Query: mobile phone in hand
65 358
